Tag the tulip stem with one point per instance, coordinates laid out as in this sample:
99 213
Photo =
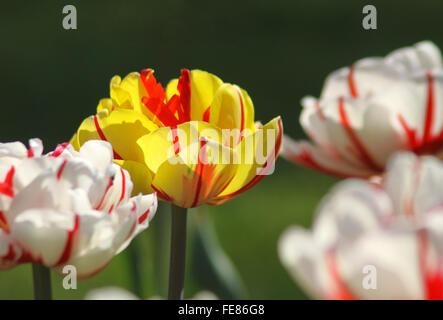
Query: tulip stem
178 253
42 282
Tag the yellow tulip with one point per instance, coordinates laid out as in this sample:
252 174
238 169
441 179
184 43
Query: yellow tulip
195 142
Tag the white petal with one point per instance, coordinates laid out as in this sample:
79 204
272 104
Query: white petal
368 76
394 254
364 132
120 191
78 173
9 252
317 158
110 293
98 238
44 192
145 207
305 262
13 149
36 145
351 209
30 168
313 120
43 232
205 295
412 182
423 55
98 152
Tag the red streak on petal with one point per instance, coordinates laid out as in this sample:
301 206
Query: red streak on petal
242 106
155 101
143 217
11 253
432 278
207 114
184 88
175 140
199 170
69 242
111 208
305 158
134 213
153 88
6 187
163 195
434 286
351 82
429 143
410 133
102 136
429 119
364 154
10 176
111 182
60 170
30 153
123 186
174 106
341 292
160 111
59 150
99 130
218 201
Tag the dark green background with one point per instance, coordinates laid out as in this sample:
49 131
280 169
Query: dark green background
277 50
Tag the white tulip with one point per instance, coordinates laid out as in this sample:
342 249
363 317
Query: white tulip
372 109
394 229
67 207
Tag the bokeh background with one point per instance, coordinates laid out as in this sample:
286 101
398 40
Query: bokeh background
279 51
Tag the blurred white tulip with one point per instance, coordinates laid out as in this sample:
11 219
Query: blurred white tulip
67 207
393 230
372 109
116 293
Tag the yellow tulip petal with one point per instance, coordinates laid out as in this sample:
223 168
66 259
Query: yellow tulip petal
192 181
140 176
203 88
159 145
233 110
105 104
156 147
171 89
128 93
249 110
74 142
121 128
257 156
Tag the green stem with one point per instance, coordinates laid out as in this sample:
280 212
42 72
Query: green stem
42 282
178 253
160 231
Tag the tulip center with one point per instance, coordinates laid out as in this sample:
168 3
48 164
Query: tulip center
169 113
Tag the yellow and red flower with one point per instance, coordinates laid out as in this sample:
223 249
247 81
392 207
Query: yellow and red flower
195 142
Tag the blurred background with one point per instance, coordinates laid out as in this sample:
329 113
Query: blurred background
279 51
